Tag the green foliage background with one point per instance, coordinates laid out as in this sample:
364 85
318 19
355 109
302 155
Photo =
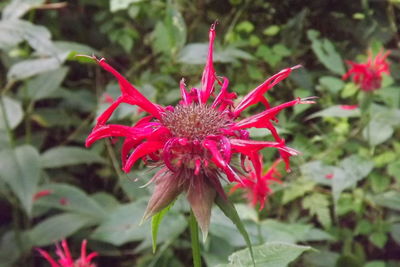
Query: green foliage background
50 98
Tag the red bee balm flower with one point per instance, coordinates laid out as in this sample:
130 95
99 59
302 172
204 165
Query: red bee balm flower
257 185
194 141
368 75
65 259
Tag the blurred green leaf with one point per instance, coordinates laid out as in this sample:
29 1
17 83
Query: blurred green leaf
326 52
229 210
46 83
336 111
318 204
14 112
57 227
14 31
379 239
17 8
296 189
116 5
271 30
122 225
389 199
67 155
274 254
395 232
333 84
170 34
30 67
20 169
70 198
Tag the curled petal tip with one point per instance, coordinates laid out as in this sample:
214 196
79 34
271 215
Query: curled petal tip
296 67
308 100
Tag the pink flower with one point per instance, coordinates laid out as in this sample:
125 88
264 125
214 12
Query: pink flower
257 185
368 75
194 143
65 258
329 176
348 107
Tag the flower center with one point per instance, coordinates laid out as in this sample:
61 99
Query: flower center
194 121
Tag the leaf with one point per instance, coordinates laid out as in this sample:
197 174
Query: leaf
333 84
122 225
14 113
352 169
170 34
273 254
11 247
229 210
20 169
336 111
395 232
46 83
57 227
116 5
67 155
274 231
17 8
380 127
318 204
173 225
30 67
379 239
296 189
70 198
390 199
326 53
14 31
155 223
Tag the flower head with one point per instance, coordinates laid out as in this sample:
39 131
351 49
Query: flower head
256 185
368 75
200 141
65 258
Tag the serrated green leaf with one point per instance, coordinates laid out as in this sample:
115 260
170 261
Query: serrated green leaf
66 156
274 254
318 204
229 210
297 189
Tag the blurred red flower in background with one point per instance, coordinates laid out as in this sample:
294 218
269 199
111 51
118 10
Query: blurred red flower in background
368 75
65 258
194 141
256 185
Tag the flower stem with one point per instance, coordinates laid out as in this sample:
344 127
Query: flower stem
194 235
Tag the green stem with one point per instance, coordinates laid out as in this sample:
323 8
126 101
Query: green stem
194 235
